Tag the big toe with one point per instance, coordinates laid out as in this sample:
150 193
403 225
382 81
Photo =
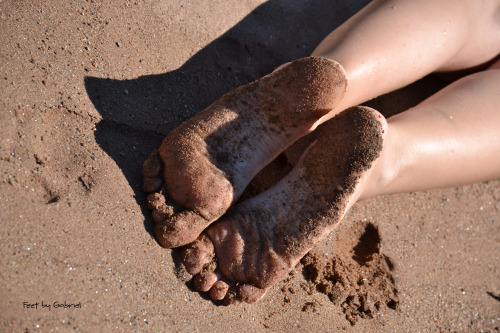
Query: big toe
250 294
198 254
179 229
240 293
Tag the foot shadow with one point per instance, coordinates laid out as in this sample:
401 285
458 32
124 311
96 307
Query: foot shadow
138 113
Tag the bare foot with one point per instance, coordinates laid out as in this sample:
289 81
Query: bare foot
258 242
204 165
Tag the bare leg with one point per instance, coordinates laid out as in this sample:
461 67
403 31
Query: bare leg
450 139
390 44
496 64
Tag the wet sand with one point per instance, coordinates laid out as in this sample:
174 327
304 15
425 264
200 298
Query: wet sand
88 90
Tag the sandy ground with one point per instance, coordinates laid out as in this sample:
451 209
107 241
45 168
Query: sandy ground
89 89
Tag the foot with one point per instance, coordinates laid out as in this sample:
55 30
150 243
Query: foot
203 166
259 241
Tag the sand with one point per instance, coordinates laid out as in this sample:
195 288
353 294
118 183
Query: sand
88 90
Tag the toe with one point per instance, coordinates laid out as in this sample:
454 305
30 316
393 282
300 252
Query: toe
250 294
155 201
197 255
178 230
151 171
152 166
151 184
204 281
159 207
232 296
219 290
161 214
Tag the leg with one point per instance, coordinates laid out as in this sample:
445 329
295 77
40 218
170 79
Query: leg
390 44
496 64
450 139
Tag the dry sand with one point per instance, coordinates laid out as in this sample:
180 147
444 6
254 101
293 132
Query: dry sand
89 89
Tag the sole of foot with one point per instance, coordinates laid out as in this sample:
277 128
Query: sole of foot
259 241
203 166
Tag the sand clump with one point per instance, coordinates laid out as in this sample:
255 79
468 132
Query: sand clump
357 278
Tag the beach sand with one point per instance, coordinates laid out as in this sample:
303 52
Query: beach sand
88 90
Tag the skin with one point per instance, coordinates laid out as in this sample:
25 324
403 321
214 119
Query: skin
456 129
388 38
260 240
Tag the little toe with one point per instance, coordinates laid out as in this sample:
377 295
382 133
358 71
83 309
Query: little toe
197 255
179 229
151 173
204 281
